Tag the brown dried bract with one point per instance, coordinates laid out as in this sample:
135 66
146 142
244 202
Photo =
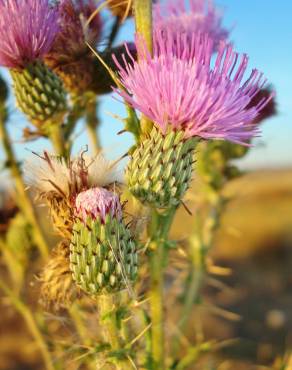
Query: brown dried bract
58 289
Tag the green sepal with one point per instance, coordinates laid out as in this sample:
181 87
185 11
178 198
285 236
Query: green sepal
160 169
39 94
103 256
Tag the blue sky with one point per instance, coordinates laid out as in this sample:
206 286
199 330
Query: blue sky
262 29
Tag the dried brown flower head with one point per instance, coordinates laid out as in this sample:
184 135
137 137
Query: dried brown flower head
58 289
58 181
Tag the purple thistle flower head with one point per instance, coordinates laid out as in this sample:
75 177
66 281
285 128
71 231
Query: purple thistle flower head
70 42
204 99
199 17
97 203
27 31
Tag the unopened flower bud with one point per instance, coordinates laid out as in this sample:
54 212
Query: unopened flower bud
39 94
103 256
27 30
160 169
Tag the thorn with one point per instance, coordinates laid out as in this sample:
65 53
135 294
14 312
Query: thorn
125 155
122 132
186 208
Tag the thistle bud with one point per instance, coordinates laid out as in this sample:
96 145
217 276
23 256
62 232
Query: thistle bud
103 256
39 94
160 169
27 30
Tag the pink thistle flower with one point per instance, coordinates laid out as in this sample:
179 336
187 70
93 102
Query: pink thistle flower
27 31
204 99
97 203
201 16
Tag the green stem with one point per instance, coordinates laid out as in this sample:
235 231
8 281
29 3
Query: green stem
197 271
31 324
24 201
57 138
74 115
76 316
156 306
109 323
92 123
193 355
158 231
199 245
143 22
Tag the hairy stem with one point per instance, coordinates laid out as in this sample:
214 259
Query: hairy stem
158 231
24 201
111 331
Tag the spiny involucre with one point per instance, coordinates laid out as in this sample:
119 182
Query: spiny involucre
27 31
103 255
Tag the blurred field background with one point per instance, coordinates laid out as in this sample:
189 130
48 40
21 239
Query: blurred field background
253 298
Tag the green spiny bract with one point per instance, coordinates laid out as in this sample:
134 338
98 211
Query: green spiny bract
39 94
160 170
103 256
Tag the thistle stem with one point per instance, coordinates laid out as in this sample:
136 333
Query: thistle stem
109 323
92 123
31 324
143 22
57 138
158 231
197 271
24 201
199 245
76 314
